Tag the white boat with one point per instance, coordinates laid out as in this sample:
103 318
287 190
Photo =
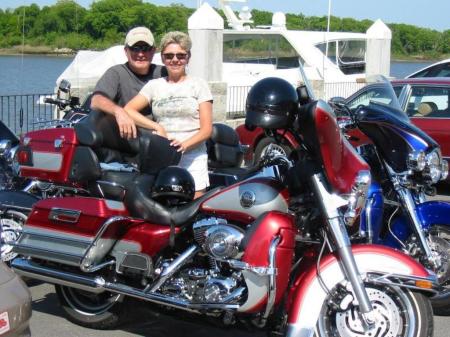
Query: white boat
252 53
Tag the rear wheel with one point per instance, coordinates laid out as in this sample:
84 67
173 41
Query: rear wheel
398 312
11 225
96 311
277 147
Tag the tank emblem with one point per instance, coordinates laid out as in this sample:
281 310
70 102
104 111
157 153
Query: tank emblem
248 199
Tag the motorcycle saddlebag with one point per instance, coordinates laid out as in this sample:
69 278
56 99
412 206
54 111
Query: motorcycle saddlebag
63 229
54 155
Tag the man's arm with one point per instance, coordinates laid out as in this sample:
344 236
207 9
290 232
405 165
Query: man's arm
124 121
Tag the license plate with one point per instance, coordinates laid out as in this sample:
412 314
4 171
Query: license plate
4 322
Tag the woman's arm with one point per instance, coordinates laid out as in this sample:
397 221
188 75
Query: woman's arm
133 107
205 114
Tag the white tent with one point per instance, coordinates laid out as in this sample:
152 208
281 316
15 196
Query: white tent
88 66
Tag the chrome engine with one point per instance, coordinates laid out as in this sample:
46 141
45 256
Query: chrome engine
218 283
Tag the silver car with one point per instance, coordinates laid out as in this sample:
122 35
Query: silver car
15 304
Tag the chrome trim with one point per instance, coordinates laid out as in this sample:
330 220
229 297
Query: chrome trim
357 197
260 271
87 263
408 202
272 289
330 204
97 284
416 161
64 215
174 266
403 280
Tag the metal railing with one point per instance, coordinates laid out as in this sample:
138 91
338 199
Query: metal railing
22 113
341 89
236 97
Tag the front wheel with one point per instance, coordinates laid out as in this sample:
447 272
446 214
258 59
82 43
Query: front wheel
398 312
439 240
97 311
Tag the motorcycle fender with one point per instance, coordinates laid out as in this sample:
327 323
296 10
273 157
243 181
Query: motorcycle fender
433 213
307 296
17 200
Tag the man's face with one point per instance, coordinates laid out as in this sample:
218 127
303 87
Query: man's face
139 57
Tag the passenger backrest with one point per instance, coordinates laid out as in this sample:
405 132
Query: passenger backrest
224 149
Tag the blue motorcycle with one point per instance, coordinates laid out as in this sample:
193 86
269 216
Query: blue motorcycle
405 164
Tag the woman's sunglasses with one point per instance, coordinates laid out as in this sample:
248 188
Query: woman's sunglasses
140 48
180 56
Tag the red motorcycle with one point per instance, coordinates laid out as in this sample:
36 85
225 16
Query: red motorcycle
271 251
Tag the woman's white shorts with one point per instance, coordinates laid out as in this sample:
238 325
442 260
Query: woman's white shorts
196 162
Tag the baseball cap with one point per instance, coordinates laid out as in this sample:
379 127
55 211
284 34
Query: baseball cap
139 34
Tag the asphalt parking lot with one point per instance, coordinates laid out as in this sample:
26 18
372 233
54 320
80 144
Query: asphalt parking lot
48 319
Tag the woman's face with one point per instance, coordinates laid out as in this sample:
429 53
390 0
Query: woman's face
175 59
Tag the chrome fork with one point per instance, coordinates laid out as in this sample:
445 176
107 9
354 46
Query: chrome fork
408 202
330 204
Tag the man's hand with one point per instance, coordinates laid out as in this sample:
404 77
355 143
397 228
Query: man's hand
127 127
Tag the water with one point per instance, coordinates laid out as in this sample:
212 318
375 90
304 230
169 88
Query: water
402 69
32 74
38 74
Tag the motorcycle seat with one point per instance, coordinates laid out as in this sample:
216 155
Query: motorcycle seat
149 151
141 205
112 184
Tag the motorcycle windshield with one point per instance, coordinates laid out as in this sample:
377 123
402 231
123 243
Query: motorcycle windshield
379 91
390 129
321 135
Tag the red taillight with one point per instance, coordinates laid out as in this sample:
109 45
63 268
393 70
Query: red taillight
25 156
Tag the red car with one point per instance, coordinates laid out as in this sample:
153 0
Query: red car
424 100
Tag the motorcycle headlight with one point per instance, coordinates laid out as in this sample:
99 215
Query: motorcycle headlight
433 169
444 173
417 161
357 197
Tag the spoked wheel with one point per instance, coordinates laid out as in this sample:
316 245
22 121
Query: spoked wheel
439 241
276 148
11 225
97 311
398 313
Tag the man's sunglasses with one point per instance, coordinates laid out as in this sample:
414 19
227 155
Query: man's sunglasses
180 56
140 48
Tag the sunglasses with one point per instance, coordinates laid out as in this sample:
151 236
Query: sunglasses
180 56
140 48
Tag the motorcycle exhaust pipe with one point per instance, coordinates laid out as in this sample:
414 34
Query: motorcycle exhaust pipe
96 284
28 268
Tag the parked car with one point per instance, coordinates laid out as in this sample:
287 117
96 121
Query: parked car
15 304
425 101
438 69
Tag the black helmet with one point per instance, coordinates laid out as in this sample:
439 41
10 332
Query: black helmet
271 104
173 183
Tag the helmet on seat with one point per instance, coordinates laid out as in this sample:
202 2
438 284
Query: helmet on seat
173 184
272 103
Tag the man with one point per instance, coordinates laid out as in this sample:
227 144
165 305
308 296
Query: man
122 82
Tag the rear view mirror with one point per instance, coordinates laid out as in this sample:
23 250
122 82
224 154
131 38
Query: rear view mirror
64 86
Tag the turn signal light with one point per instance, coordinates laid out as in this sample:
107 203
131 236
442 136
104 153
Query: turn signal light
424 284
24 156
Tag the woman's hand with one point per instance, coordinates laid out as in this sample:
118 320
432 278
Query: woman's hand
181 145
160 131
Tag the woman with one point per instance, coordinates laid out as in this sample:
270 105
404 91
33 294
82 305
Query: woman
182 105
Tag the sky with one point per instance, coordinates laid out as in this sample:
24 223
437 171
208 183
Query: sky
432 14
